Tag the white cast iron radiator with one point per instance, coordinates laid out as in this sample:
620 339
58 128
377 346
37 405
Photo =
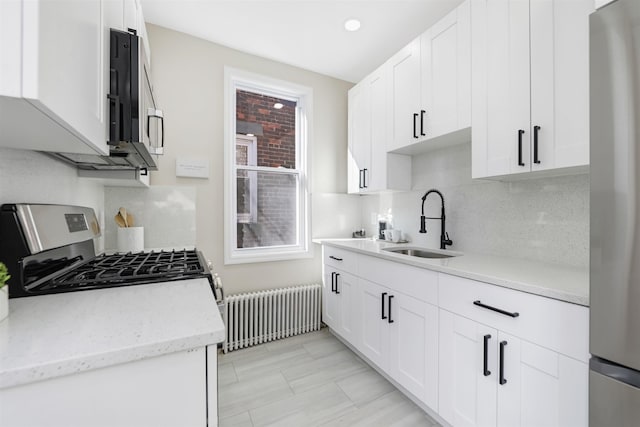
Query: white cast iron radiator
258 317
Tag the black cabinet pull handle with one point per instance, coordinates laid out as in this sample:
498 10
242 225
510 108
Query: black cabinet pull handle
360 179
485 369
337 275
390 321
336 258
422 113
520 133
364 178
415 131
535 144
503 380
384 294
333 281
497 310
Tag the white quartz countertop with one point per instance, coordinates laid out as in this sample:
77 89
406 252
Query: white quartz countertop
53 335
565 283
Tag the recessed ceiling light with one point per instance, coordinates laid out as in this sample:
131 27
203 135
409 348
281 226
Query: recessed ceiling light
352 25
278 106
250 134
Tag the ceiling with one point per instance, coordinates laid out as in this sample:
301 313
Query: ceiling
308 34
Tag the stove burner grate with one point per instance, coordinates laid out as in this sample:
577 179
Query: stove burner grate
129 268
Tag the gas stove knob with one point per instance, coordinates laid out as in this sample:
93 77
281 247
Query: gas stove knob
209 264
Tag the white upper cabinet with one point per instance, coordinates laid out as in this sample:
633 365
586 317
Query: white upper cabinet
446 73
370 167
52 94
530 100
404 96
430 90
359 129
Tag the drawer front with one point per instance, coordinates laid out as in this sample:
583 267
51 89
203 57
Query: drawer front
340 259
557 325
413 281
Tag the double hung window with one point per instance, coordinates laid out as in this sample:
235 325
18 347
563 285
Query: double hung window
266 169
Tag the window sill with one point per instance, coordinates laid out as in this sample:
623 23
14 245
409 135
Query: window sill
257 256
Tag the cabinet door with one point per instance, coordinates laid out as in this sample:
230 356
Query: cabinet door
378 84
164 391
542 387
500 87
329 299
560 82
348 305
63 65
414 346
467 392
446 73
374 335
359 123
404 96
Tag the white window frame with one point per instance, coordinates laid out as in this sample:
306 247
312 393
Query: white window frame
303 96
251 142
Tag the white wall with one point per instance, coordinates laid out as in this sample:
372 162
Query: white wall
544 219
33 177
188 80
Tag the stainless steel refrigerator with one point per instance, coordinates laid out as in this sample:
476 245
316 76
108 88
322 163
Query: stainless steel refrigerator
614 377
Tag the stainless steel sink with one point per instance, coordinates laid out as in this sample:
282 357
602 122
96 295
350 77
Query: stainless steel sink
422 253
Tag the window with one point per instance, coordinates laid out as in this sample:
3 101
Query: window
267 126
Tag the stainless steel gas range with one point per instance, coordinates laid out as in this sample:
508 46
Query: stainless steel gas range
50 249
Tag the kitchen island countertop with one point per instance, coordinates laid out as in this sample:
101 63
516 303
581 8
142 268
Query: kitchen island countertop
49 336
564 283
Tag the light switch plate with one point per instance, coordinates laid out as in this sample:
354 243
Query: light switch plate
192 167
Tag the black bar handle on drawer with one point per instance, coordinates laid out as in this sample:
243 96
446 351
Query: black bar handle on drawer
415 131
390 321
485 363
520 133
503 380
364 177
422 113
337 275
535 144
360 179
333 281
335 258
497 310
384 294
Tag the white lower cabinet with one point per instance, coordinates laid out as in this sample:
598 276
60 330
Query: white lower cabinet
374 339
400 335
491 378
340 306
467 395
414 346
176 389
475 353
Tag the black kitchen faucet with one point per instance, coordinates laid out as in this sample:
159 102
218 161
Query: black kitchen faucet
444 236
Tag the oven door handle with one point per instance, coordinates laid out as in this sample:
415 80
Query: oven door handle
156 114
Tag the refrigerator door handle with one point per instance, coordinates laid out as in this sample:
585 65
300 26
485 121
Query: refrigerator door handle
613 370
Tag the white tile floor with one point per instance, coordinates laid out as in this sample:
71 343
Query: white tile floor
308 380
